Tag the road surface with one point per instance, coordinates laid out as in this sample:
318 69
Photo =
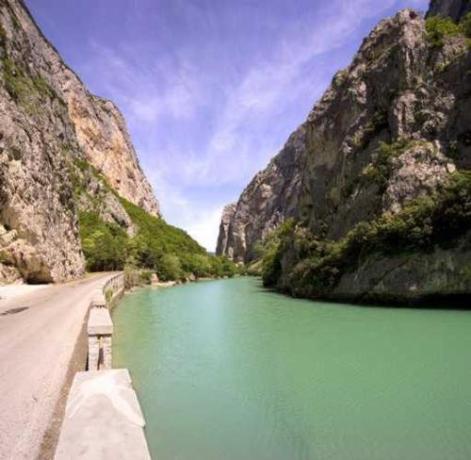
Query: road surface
39 352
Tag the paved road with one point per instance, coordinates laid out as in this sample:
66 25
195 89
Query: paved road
39 331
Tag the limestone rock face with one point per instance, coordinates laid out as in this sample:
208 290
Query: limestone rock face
269 199
103 137
48 123
99 126
392 127
455 9
225 230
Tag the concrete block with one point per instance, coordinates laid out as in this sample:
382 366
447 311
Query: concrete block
106 350
99 322
103 419
93 352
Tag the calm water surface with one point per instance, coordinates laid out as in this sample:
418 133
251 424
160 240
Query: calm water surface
226 370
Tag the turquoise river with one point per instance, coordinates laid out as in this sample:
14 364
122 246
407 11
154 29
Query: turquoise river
226 370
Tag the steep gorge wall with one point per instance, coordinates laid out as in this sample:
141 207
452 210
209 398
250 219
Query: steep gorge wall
269 199
392 127
455 9
49 124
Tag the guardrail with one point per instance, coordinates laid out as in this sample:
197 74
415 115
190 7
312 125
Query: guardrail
103 419
100 326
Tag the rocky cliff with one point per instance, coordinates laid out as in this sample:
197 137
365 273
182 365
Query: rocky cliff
269 199
382 152
61 150
455 9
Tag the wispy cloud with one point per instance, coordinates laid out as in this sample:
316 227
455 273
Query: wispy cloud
211 93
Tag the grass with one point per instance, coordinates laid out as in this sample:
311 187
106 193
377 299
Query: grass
27 91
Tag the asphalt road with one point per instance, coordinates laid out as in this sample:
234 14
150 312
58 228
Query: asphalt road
39 332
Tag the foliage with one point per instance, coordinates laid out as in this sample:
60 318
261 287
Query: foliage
465 25
104 244
380 169
156 238
169 268
272 253
136 277
438 27
157 247
223 267
317 264
27 90
254 268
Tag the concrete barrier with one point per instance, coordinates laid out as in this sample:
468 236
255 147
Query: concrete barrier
103 419
100 331
100 326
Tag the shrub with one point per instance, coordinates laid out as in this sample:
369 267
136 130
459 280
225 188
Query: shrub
134 276
438 27
271 261
379 170
157 246
26 90
104 244
465 25
316 264
169 268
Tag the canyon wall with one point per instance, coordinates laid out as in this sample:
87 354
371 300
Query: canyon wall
391 129
50 126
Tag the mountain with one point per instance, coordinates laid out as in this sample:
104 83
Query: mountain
370 199
270 198
454 9
72 193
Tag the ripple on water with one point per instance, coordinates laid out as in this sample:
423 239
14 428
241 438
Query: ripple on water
226 370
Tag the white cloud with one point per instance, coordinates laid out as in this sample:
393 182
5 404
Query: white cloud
280 76
151 90
176 89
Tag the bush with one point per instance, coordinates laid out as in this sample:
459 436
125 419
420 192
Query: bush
465 25
379 170
438 27
157 247
169 268
316 264
222 267
104 244
273 250
134 276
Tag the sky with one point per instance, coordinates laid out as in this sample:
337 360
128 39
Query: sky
210 89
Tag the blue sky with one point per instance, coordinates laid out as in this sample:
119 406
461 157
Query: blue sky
210 89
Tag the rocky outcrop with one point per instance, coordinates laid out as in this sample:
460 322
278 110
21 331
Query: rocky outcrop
392 128
103 137
100 128
50 124
269 199
225 230
455 9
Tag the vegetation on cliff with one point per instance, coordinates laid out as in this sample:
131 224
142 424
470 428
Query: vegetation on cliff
438 28
315 265
156 246
381 207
